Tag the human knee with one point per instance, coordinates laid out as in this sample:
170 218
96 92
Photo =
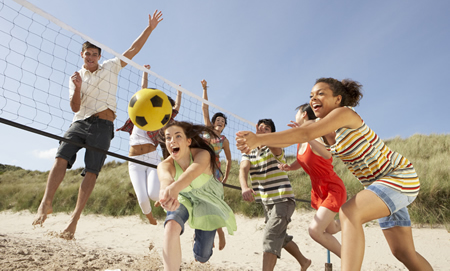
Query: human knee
314 232
60 163
172 227
347 214
145 206
402 255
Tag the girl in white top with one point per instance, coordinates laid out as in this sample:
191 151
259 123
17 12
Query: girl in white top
143 148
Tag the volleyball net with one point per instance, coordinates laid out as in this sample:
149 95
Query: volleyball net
38 55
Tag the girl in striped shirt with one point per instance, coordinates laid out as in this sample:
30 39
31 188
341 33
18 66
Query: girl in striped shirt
390 179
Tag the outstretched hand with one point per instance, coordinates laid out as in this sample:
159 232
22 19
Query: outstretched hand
154 20
246 141
293 124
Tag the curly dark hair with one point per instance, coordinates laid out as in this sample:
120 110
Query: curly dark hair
350 91
218 114
194 132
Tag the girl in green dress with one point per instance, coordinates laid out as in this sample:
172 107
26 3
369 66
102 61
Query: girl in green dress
189 192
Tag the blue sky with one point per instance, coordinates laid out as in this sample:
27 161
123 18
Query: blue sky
261 58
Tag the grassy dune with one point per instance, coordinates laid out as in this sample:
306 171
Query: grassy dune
114 195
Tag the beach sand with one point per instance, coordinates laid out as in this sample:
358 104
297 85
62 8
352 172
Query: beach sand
130 243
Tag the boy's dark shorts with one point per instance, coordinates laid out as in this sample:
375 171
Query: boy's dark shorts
93 132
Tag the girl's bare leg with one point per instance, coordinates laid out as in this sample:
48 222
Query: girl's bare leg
222 240
401 242
172 246
322 227
363 207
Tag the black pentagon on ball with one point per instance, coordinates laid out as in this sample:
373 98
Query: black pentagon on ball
141 121
165 119
156 101
132 101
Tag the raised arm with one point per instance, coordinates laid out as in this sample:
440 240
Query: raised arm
339 117
226 149
178 101
144 83
205 107
137 45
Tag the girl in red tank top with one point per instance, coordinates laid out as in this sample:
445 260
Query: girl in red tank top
328 191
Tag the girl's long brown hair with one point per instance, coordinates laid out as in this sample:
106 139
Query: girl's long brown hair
194 132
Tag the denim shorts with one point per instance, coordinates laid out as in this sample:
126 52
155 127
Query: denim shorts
92 131
203 240
397 204
278 216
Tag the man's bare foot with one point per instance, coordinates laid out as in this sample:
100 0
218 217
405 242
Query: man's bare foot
69 232
67 235
151 219
222 240
306 266
41 216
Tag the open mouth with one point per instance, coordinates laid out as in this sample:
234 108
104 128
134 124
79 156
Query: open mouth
175 150
316 106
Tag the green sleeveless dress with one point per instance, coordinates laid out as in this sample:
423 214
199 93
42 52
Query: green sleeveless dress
204 200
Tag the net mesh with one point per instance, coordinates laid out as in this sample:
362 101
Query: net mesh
38 55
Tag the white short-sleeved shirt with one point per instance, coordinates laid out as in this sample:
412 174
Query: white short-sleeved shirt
98 90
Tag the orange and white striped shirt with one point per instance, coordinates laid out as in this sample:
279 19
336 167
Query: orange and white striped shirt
370 160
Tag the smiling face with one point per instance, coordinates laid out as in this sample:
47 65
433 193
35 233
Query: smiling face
91 56
263 128
219 124
322 100
177 143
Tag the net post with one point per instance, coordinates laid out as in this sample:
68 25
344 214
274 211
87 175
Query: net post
328 265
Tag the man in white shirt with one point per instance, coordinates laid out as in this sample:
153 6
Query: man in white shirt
93 100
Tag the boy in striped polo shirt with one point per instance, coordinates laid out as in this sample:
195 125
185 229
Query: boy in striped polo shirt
272 188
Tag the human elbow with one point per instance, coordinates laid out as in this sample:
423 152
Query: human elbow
75 108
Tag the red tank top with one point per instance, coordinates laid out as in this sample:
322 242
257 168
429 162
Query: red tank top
315 165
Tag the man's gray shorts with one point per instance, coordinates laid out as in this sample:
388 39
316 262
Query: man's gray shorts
93 132
278 216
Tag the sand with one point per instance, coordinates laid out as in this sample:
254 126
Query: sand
130 243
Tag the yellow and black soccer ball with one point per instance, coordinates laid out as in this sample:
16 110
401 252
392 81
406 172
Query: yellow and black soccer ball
150 109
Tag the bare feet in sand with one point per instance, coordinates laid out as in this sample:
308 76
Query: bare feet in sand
222 240
69 232
41 216
306 266
151 219
67 235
